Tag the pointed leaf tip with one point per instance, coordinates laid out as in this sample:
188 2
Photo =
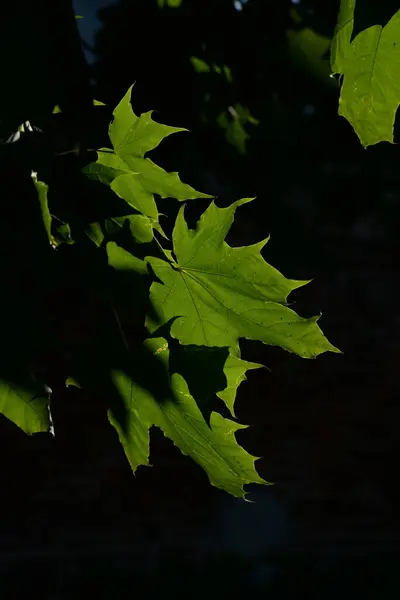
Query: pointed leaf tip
222 294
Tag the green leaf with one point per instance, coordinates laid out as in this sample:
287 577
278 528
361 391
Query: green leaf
63 234
370 93
25 404
95 233
107 167
133 177
222 294
132 137
141 227
63 231
213 446
42 191
122 260
235 371
72 382
129 187
340 49
200 65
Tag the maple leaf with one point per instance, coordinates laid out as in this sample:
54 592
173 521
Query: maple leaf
177 413
25 404
218 294
132 137
370 93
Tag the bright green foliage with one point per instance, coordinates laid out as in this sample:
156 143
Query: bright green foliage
130 175
213 445
201 297
132 137
120 259
208 295
235 371
25 405
370 92
222 294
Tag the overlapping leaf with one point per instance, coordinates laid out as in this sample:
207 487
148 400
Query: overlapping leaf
205 297
62 232
235 371
124 167
222 294
370 93
212 445
25 405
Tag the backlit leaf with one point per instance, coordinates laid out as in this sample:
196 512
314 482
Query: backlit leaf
370 93
222 294
213 446
132 137
25 404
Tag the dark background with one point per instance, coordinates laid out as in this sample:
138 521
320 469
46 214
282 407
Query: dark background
73 518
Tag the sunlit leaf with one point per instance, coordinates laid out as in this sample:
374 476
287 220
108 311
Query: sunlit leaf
25 404
222 294
132 137
370 92
213 446
235 371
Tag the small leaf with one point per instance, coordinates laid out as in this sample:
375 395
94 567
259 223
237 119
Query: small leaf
235 371
95 233
72 382
199 65
42 191
25 404
57 108
64 234
107 167
140 226
129 187
135 136
121 260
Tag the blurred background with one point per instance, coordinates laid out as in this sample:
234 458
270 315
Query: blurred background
251 80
